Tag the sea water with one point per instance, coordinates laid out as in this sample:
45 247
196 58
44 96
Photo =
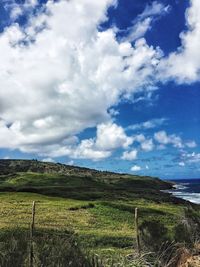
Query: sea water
188 189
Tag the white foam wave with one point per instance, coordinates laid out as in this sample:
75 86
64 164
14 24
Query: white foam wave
180 186
192 197
189 196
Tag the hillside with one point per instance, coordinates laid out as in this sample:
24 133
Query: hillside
8 167
97 206
76 182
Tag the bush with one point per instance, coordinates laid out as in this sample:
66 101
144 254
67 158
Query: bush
182 233
153 234
188 230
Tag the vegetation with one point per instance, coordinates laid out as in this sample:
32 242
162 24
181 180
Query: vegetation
92 209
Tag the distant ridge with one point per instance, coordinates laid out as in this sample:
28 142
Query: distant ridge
22 165
55 179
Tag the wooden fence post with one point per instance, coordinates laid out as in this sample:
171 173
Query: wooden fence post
31 234
137 231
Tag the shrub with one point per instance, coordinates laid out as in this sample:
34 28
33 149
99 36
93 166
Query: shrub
153 234
182 233
188 230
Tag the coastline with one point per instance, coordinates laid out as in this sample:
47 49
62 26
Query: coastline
182 190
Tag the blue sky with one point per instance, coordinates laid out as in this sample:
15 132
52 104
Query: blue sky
112 85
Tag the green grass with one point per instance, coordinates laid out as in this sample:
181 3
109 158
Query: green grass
105 224
97 207
85 187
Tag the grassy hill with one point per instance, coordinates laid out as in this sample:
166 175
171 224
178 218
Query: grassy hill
75 182
97 206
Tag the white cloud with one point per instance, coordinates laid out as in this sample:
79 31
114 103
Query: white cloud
182 164
139 138
57 81
156 8
135 168
191 144
139 29
54 78
143 22
147 145
48 160
17 9
191 157
71 162
109 137
88 150
148 124
112 136
164 139
6 157
161 137
129 155
16 12
184 64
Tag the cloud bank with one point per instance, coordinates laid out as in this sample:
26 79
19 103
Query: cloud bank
61 74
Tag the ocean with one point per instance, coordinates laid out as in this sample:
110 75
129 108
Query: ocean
188 189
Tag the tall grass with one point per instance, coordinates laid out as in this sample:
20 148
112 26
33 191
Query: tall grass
61 249
56 249
49 248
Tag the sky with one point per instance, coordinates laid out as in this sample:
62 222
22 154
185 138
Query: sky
110 84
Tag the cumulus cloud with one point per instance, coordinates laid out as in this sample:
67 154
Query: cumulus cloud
145 143
112 136
129 155
109 136
135 168
87 150
176 141
183 65
139 138
164 139
58 80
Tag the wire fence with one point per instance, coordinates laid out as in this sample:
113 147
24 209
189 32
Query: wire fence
42 217
60 216
48 215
